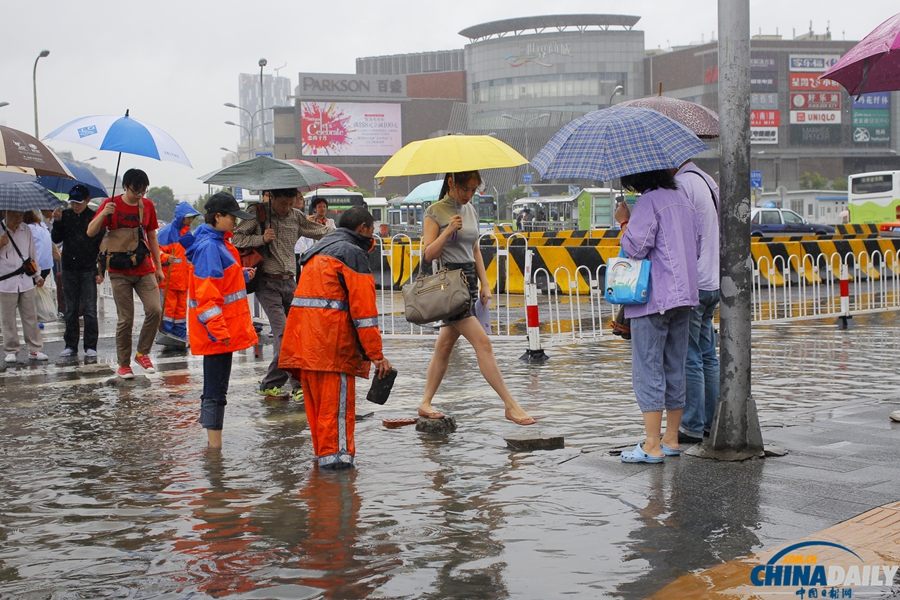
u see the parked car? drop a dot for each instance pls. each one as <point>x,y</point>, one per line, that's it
<point>781,221</point>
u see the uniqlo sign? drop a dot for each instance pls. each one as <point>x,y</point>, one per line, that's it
<point>765,118</point>
<point>811,82</point>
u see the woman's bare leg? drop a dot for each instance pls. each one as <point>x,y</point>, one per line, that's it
<point>472,330</point>
<point>438,366</point>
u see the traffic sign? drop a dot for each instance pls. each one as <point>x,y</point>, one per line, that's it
<point>238,194</point>
<point>756,179</point>
<point>526,178</point>
<point>269,154</point>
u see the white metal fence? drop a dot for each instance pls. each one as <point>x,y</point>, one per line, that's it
<point>783,290</point>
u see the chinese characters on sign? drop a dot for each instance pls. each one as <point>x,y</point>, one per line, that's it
<point>872,118</point>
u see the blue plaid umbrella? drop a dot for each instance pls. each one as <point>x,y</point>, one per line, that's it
<point>27,195</point>
<point>617,141</point>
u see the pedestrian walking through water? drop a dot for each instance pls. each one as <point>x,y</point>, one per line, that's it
<point>219,313</point>
<point>451,234</point>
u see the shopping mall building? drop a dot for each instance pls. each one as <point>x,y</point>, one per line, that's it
<point>522,79</point>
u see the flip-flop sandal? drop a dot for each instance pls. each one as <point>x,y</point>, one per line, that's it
<point>639,456</point>
<point>670,451</point>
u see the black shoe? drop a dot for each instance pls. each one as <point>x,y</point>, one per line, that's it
<point>684,438</point>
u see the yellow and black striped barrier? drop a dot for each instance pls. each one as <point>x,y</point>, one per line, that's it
<point>581,257</point>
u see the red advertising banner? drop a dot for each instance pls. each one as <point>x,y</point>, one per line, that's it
<point>816,101</point>
<point>765,118</point>
<point>811,82</point>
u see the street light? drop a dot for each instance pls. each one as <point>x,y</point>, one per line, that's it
<point>2,104</point>
<point>525,125</point>
<point>34,82</point>
<point>619,90</point>
<point>252,116</point>
<point>262,63</point>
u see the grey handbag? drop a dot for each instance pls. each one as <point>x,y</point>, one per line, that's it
<point>436,297</point>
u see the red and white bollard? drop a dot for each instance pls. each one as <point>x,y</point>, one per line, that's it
<point>844,321</point>
<point>532,322</point>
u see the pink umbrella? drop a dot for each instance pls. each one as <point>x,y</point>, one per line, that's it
<point>873,65</point>
<point>343,180</point>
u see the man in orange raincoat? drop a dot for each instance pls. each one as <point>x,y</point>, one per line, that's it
<point>174,239</point>
<point>332,335</point>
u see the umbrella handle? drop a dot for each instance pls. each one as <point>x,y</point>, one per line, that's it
<point>116,176</point>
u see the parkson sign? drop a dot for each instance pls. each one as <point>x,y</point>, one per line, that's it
<point>337,86</point>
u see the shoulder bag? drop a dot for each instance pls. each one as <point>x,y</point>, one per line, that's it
<point>124,247</point>
<point>627,280</point>
<point>435,297</point>
<point>29,266</point>
<point>254,257</point>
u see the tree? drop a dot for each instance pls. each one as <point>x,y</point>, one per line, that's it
<point>164,199</point>
<point>839,184</point>
<point>366,193</point>
<point>813,181</point>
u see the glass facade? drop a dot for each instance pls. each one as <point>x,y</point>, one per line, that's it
<point>549,86</point>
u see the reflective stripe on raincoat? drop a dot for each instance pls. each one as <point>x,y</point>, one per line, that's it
<point>217,300</point>
<point>333,321</point>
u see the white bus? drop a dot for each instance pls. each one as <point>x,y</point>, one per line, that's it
<point>874,197</point>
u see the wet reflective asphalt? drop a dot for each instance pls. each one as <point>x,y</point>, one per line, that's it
<point>110,492</point>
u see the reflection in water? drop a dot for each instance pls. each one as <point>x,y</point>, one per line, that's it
<point>220,558</point>
<point>108,492</point>
<point>693,518</point>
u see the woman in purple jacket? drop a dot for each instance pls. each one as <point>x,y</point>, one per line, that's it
<point>664,228</point>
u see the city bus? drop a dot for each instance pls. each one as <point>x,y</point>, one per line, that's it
<point>406,217</point>
<point>874,197</point>
<point>339,200</point>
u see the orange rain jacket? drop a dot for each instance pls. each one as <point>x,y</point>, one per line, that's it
<point>333,321</point>
<point>217,298</point>
<point>173,240</point>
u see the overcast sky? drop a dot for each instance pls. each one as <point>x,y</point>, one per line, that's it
<point>174,63</point>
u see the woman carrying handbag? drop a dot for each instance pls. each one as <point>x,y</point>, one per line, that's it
<point>451,234</point>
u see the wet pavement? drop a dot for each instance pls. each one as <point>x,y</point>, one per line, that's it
<point>110,491</point>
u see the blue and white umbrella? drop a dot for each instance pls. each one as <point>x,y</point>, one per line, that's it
<point>27,195</point>
<point>425,192</point>
<point>121,134</point>
<point>609,143</point>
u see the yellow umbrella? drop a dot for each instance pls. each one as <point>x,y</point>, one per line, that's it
<point>451,154</point>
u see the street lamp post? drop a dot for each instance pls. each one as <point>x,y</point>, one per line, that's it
<point>34,82</point>
<point>252,116</point>
<point>2,104</point>
<point>619,90</point>
<point>262,63</point>
<point>525,125</point>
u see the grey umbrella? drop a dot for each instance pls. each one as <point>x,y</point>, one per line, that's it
<point>264,173</point>
<point>27,195</point>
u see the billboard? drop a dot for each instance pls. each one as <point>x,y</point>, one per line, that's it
<point>872,118</point>
<point>765,118</point>
<point>816,100</point>
<point>810,82</point>
<point>350,129</point>
<point>831,117</point>
<point>812,63</point>
<point>763,135</point>
<point>767,101</point>
<point>813,135</point>
<point>764,81</point>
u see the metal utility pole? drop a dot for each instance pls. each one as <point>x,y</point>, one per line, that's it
<point>735,433</point>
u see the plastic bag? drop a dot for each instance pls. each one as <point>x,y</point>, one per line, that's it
<point>483,314</point>
<point>45,304</point>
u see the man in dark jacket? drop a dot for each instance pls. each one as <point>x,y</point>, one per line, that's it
<point>79,271</point>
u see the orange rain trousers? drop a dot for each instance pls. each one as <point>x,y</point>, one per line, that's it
<point>330,400</point>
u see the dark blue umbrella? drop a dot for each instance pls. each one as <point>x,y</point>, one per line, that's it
<point>82,175</point>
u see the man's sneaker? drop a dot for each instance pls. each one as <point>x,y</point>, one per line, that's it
<point>37,356</point>
<point>125,373</point>
<point>144,361</point>
<point>90,352</point>
<point>274,391</point>
<point>68,352</point>
<point>11,357</point>
<point>297,395</point>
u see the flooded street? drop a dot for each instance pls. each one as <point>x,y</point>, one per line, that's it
<point>110,492</point>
